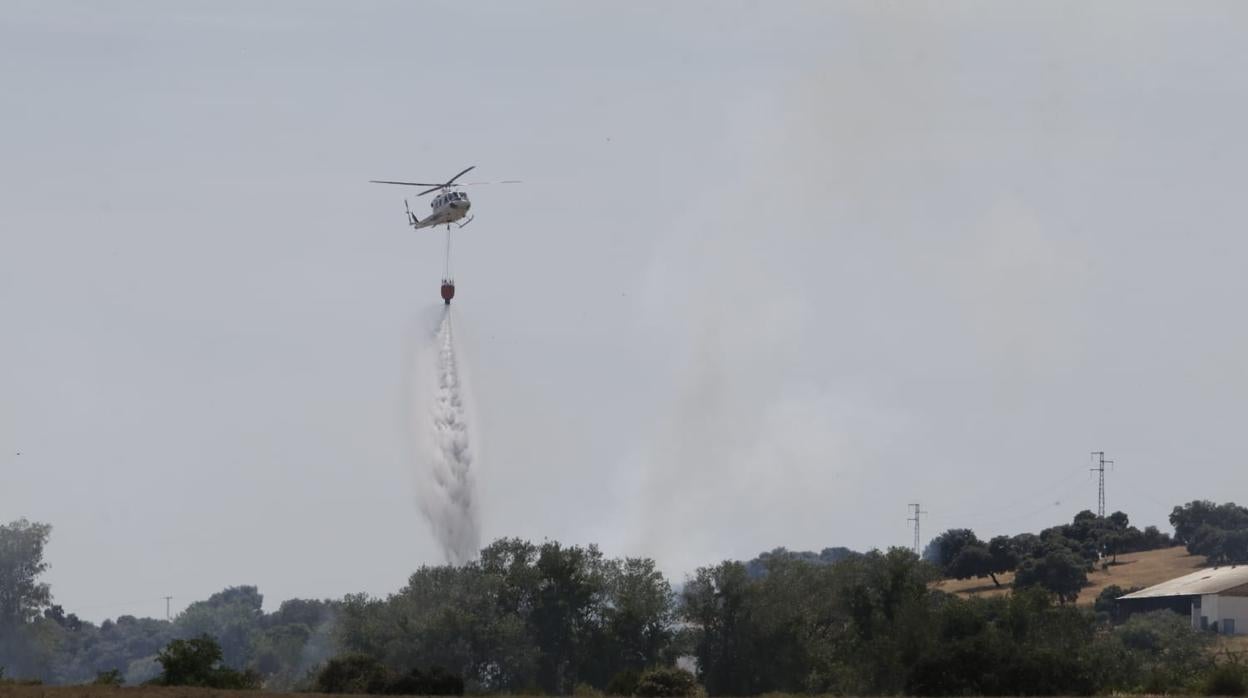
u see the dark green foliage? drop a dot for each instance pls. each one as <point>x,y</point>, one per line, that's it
<point>1217,531</point>
<point>623,683</point>
<point>1188,519</point>
<point>197,662</point>
<point>1059,572</point>
<point>1160,653</point>
<point>523,618</point>
<point>1007,646</point>
<point>666,682</point>
<point>232,617</point>
<point>960,554</point>
<point>1227,679</point>
<point>979,560</point>
<point>1106,604</point>
<point>22,595</point>
<point>552,619</point>
<point>945,547</point>
<point>353,673</point>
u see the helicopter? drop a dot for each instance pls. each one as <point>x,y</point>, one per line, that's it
<point>449,207</point>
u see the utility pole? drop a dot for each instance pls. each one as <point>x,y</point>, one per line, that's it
<point>1100,487</point>
<point>168,600</point>
<point>918,511</point>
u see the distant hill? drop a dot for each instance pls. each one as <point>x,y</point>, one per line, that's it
<point>1133,570</point>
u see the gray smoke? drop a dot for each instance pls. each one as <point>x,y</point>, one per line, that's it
<point>446,491</point>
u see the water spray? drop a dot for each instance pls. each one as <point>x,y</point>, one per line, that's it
<point>447,490</point>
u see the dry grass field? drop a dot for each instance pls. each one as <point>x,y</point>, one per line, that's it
<point>1134,570</point>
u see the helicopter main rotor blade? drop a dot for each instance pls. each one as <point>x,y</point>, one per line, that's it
<point>432,187</point>
<point>409,184</point>
<point>451,181</point>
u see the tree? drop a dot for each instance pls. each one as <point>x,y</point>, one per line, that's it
<point>1189,518</point>
<point>1235,546</point>
<point>978,560</point>
<point>946,546</point>
<point>233,617</point>
<point>971,561</point>
<point>22,595</point>
<point>638,621</point>
<point>1210,541</point>
<point>716,602</point>
<point>1060,572</point>
<point>1106,604</point>
<point>197,662</point>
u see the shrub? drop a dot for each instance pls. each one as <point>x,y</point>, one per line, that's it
<point>1228,679</point>
<point>623,683</point>
<point>438,682</point>
<point>112,677</point>
<point>352,673</point>
<point>666,683</point>
<point>444,683</point>
<point>197,662</point>
<point>360,673</point>
<point>1106,604</point>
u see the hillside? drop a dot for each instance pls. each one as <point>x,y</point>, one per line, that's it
<point>1133,570</point>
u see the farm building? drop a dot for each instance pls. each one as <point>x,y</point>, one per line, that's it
<point>1216,598</point>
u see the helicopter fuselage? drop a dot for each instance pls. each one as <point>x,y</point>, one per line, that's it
<point>446,208</point>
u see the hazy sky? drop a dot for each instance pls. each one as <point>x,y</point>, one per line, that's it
<point>775,271</point>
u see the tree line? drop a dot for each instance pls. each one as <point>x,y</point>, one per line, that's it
<point>556,619</point>
<point>1057,559</point>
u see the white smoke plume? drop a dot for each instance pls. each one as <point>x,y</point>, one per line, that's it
<point>446,489</point>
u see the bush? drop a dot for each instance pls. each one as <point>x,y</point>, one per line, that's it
<point>112,677</point>
<point>197,662</point>
<point>1229,679</point>
<point>623,683</point>
<point>352,673</point>
<point>665,683</point>
<point>438,682</point>
<point>1106,604</point>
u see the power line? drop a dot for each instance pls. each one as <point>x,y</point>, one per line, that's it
<point>918,512</point>
<point>1100,488</point>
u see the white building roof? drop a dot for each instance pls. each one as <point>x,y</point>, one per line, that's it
<point>1211,580</point>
